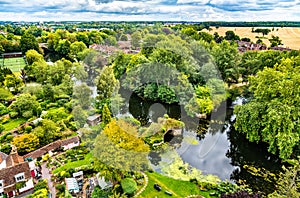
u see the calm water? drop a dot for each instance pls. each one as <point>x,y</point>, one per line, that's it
<point>221,150</point>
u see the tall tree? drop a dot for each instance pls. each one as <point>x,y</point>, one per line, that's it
<point>119,142</point>
<point>79,116</point>
<point>26,106</point>
<point>106,115</point>
<point>13,83</point>
<point>107,84</point>
<point>76,48</point>
<point>47,132</point>
<point>273,114</point>
<point>33,56</point>
<point>28,42</point>
<point>136,38</point>
<point>82,95</point>
<point>226,57</point>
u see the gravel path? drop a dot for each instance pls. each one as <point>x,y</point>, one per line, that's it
<point>46,175</point>
<point>145,185</point>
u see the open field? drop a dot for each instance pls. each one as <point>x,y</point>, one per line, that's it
<point>290,36</point>
<point>15,64</point>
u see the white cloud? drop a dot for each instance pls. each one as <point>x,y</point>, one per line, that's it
<point>194,10</point>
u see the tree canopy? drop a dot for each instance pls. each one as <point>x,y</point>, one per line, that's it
<point>272,116</point>
<point>119,142</point>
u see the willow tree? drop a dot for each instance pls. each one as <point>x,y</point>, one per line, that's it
<point>272,116</point>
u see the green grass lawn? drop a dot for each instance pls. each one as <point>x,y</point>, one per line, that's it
<point>87,161</point>
<point>14,123</point>
<point>176,187</point>
<point>14,64</point>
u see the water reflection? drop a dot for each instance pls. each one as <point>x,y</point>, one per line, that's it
<point>219,149</point>
<point>241,152</point>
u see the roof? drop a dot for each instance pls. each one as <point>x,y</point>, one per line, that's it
<point>12,53</point>
<point>3,156</point>
<point>13,159</point>
<point>7,175</point>
<point>71,184</point>
<point>94,117</point>
<point>40,152</point>
<point>50,147</point>
<point>70,140</point>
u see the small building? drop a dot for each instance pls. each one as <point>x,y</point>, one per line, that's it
<point>72,185</point>
<point>94,119</point>
<point>12,55</point>
<point>78,175</point>
<point>36,121</point>
<point>15,175</point>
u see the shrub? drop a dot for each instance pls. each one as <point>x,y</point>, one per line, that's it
<point>46,157</point>
<point>13,114</point>
<point>1,128</point>
<point>64,174</point>
<point>20,185</point>
<point>42,184</point>
<point>5,149</point>
<point>27,114</point>
<point>129,186</point>
<point>101,193</point>
<point>3,109</point>
<point>9,138</point>
<point>244,194</point>
<point>28,129</point>
<point>60,188</point>
<point>42,193</point>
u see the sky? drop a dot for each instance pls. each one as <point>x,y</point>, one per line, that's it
<point>149,10</point>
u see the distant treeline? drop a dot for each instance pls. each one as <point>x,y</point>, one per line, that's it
<point>139,24</point>
<point>254,24</point>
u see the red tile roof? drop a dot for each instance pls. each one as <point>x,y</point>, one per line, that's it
<point>50,147</point>
<point>7,175</point>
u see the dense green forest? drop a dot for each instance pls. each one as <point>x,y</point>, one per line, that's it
<point>158,62</point>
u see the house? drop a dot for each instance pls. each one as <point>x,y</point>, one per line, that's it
<point>246,46</point>
<point>94,120</point>
<point>70,143</point>
<point>64,144</point>
<point>15,174</point>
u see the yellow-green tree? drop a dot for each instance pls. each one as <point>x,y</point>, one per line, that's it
<point>106,115</point>
<point>26,106</point>
<point>47,132</point>
<point>26,143</point>
<point>107,84</point>
<point>120,147</point>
